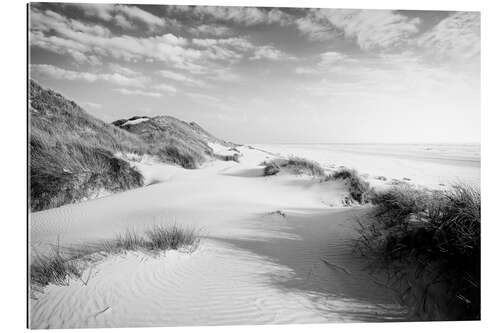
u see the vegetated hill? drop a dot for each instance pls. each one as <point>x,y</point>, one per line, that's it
<point>72,153</point>
<point>173,140</point>
<point>75,156</point>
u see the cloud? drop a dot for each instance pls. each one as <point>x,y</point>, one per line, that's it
<point>326,62</point>
<point>166,88</point>
<point>246,16</point>
<point>64,74</point>
<point>138,92</point>
<point>457,37</point>
<point>181,78</point>
<point>270,53</point>
<point>93,105</point>
<point>216,30</point>
<point>123,70</point>
<point>121,15</point>
<point>203,97</point>
<point>91,43</point>
<point>135,13</point>
<point>371,29</point>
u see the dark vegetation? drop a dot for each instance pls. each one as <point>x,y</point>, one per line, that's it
<point>297,165</point>
<point>430,241</point>
<point>74,156</point>
<point>359,189</point>
<point>172,140</point>
<point>60,265</point>
<point>271,169</point>
<point>72,153</point>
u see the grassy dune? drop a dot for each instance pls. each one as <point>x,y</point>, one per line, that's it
<point>74,156</point>
<point>297,165</point>
<point>72,153</point>
<point>431,242</point>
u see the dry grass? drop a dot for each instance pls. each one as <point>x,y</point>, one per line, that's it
<point>435,235</point>
<point>297,165</point>
<point>57,268</point>
<point>74,155</point>
<point>52,268</point>
<point>359,189</point>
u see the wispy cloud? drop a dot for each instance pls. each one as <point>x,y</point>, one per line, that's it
<point>270,53</point>
<point>372,29</point>
<point>122,15</point>
<point>64,74</point>
<point>456,37</point>
<point>247,16</point>
<point>93,105</point>
<point>138,92</point>
<point>182,78</point>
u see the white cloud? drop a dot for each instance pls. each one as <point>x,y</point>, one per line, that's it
<point>203,97</point>
<point>166,88</point>
<point>123,70</point>
<point>181,78</point>
<point>372,29</point>
<point>64,74</point>
<point>91,43</point>
<point>270,53</point>
<point>122,15</point>
<point>241,15</point>
<point>93,105</point>
<point>212,30</point>
<point>123,22</point>
<point>326,62</point>
<point>138,92</point>
<point>457,37</point>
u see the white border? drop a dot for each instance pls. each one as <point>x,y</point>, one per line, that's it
<point>13,164</point>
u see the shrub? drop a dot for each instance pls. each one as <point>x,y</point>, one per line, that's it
<point>437,235</point>
<point>297,165</point>
<point>359,189</point>
<point>271,169</point>
<point>302,165</point>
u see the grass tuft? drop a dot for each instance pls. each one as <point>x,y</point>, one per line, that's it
<point>271,169</point>
<point>53,268</point>
<point>57,268</point>
<point>435,235</point>
<point>297,165</point>
<point>359,189</point>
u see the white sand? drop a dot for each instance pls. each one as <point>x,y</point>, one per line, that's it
<point>251,267</point>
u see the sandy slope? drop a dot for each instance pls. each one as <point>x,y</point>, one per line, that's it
<point>252,267</point>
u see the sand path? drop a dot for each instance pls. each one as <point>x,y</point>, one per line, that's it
<point>251,267</point>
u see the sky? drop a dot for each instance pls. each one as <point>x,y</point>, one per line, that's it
<point>268,75</point>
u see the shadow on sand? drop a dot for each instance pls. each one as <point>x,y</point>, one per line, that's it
<point>319,252</point>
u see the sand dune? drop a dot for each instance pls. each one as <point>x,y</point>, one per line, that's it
<point>253,266</point>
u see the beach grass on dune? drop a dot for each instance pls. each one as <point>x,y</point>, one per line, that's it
<point>359,189</point>
<point>52,268</point>
<point>297,165</point>
<point>436,236</point>
<point>58,266</point>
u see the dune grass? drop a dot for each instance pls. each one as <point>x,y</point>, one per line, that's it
<point>297,165</point>
<point>52,268</point>
<point>58,266</point>
<point>359,189</point>
<point>431,241</point>
<point>74,156</point>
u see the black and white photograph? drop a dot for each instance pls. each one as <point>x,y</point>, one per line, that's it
<point>202,165</point>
